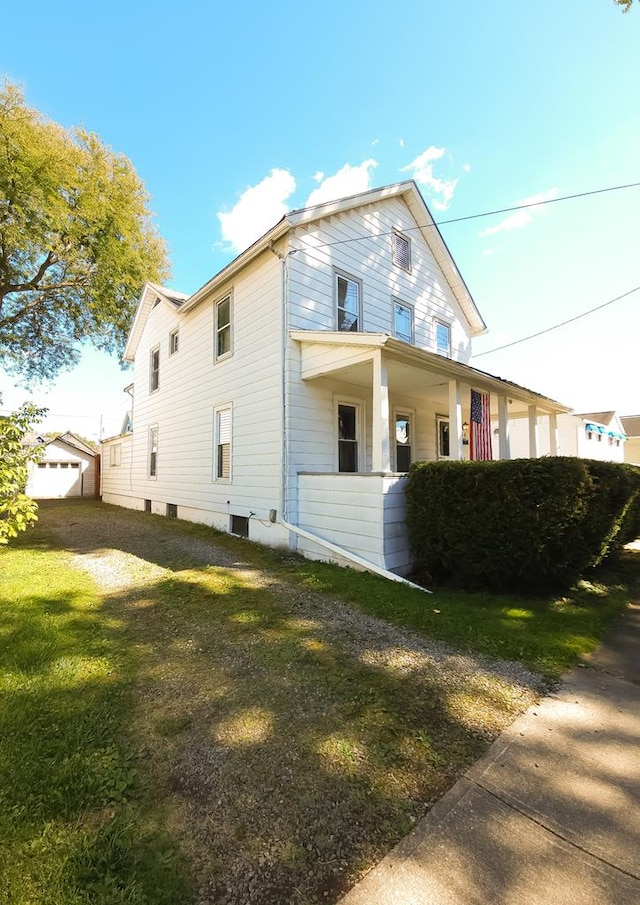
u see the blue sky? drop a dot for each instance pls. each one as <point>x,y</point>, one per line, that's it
<point>233,115</point>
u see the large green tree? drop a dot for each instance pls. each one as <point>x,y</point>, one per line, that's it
<point>626,4</point>
<point>77,241</point>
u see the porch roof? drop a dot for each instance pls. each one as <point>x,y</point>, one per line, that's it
<point>346,356</point>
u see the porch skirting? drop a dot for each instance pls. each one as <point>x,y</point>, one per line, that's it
<point>364,513</point>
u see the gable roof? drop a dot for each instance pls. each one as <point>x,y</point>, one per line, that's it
<point>152,294</point>
<point>599,417</point>
<point>631,424</point>
<point>74,442</point>
<point>408,190</point>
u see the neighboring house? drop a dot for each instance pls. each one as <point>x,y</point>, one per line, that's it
<point>286,398</point>
<point>631,425</point>
<point>591,435</point>
<point>68,468</point>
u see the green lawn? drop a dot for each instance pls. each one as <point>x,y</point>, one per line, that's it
<point>212,733</point>
<point>76,825</point>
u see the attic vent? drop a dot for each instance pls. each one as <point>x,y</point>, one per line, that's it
<point>402,251</point>
<point>156,301</point>
<point>240,525</point>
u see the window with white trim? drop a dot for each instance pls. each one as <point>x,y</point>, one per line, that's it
<point>154,369</point>
<point>223,321</point>
<point>401,251</point>
<point>403,440</point>
<point>442,437</point>
<point>443,338</point>
<point>403,321</point>
<point>348,437</point>
<point>348,303</point>
<point>174,341</point>
<point>115,455</point>
<point>223,440</point>
<point>153,451</point>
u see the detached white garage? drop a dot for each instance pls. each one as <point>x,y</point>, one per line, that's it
<point>68,469</point>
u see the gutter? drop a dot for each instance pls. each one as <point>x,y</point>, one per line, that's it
<point>357,560</point>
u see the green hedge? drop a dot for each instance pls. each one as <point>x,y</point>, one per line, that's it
<point>525,524</point>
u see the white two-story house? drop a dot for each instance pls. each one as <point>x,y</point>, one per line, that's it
<point>286,399</point>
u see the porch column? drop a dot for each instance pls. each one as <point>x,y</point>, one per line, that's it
<point>504,447</point>
<point>534,439</point>
<point>381,453</point>
<point>455,420</point>
<point>553,434</point>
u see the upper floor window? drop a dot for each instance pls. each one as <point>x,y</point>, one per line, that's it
<point>349,298</point>
<point>401,251</point>
<point>403,321</point>
<point>154,369</point>
<point>223,316</point>
<point>174,341</point>
<point>443,338</point>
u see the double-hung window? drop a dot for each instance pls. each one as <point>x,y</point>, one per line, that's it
<point>153,452</point>
<point>349,301</point>
<point>223,315</point>
<point>154,369</point>
<point>223,439</point>
<point>174,341</point>
<point>442,429</point>
<point>443,338</point>
<point>403,321</point>
<point>115,454</point>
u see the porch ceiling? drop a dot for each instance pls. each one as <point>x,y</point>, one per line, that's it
<point>410,371</point>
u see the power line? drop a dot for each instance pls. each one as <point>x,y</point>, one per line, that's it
<point>502,210</point>
<point>556,326</point>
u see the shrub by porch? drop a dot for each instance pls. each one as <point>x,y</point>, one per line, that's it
<point>525,524</point>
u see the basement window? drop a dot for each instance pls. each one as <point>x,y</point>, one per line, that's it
<point>147,505</point>
<point>240,525</point>
<point>172,510</point>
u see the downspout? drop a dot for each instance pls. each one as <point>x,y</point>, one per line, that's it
<point>357,560</point>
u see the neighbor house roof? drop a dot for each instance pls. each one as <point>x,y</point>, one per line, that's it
<point>599,417</point>
<point>407,190</point>
<point>631,424</point>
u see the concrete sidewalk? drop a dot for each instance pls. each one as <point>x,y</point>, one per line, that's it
<point>551,814</point>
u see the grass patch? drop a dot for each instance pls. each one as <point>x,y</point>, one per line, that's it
<point>228,713</point>
<point>75,824</point>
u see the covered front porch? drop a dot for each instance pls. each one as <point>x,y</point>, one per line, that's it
<point>394,404</point>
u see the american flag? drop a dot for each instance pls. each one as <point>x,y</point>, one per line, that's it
<point>480,433</point>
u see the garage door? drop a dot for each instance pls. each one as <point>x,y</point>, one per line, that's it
<point>56,479</point>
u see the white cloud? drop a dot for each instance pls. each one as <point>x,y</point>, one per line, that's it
<point>257,210</point>
<point>376,141</point>
<point>401,142</point>
<point>522,218</point>
<point>421,170</point>
<point>491,251</point>
<point>467,167</point>
<point>349,180</point>
<point>319,176</point>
